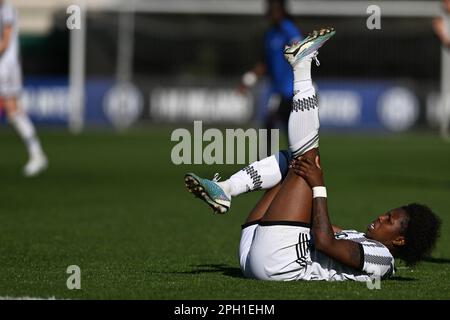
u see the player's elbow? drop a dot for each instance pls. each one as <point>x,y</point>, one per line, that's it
<point>323,242</point>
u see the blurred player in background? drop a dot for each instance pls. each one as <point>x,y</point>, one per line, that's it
<point>11,87</point>
<point>282,32</point>
<point>441,26</point>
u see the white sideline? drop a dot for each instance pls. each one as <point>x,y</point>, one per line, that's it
<point>27,298</point>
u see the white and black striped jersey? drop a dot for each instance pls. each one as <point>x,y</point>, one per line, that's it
<point>376,261</point>
<point>8,17</point>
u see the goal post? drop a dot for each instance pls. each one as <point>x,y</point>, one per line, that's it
<point>77,49</point>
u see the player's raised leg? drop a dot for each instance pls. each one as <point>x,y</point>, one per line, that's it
<point>262,174</point>
<point>303,137</point>
<point>294,200</point>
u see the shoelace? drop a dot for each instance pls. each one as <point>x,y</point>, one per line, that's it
<point>216,177</point>
<point>316,59</point>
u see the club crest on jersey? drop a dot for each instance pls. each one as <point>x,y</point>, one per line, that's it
<point>340,235</point>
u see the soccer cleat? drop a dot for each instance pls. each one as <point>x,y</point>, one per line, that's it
<point>308,47</point>
<point>35,165</point>
<point>209,191</point>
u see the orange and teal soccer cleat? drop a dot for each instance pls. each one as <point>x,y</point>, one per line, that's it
<point>208,191</point>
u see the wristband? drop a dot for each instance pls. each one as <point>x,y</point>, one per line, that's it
<point>249,79</point>
<point>319,192</point>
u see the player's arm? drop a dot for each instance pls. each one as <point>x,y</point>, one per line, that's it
<point>6,36</point>
<point>291,31</point>
<point>251,77</point>
<point>347,252</point>
<point>344,251</point>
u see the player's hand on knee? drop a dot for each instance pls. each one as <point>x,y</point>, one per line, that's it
<point>309,170</point>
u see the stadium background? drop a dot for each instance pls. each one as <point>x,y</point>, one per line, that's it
<point>112,201</point>
<point>179,55</point>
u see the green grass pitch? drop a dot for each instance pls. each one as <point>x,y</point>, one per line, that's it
<point>116,206</point>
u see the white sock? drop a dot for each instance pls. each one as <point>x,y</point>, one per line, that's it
<point>26,131</point>
<point>263,174</point>
<point>302,76</point>
<point>303,129</point>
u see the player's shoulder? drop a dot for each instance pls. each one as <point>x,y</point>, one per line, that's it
<point>288,23</point>
<point>348,234</point>
<point>290,30</point>
<point>357,236</point>
<point>376,258</point>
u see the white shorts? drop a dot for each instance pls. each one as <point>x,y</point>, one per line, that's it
<point>275,250</point>
<point>10,80</point>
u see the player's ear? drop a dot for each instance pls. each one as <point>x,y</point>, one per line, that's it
<point>399,241</point>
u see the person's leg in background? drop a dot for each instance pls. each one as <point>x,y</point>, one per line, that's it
<point>272,120</point>
<point>10,89</point>
<point>284,113</point>
<point>445,114</point>
<point>277,118</point>
<point>26,131</point>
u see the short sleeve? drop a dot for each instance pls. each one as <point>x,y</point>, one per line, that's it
<point>291,31</point>
<point>376,259</point>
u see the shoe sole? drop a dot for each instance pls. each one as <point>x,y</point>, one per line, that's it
<point>319,37</point>
<point>195,187</point>
<point>43,168</point>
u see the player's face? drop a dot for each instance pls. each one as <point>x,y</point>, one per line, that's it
<point>389,227</point>
<point>275,12</point>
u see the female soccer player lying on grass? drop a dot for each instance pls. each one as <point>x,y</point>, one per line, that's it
<point>288,235</point>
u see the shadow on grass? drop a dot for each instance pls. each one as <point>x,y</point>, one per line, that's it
<point>215,268</point>
<point>234,272</point>
<point>400,278</point>
<point>437,260</point>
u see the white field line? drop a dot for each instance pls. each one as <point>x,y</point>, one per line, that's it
<point>27,298</point>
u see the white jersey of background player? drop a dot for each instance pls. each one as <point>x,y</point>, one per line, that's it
<point>11,88</point>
